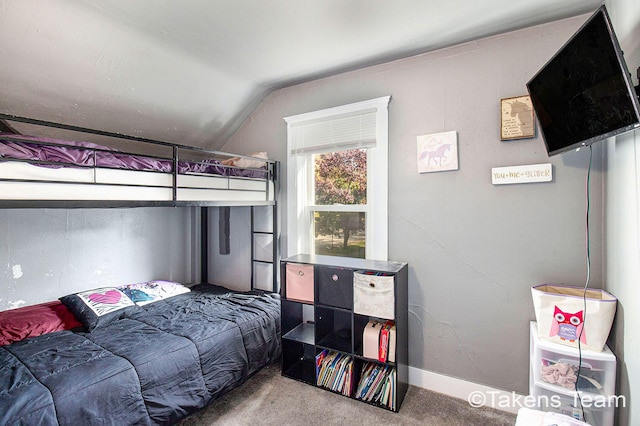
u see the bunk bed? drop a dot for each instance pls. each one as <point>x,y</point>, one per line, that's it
<point>54,172</point>
<point>147,353</point>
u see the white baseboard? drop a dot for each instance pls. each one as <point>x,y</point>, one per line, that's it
<point>476,395</point>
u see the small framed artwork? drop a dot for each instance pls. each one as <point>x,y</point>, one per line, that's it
<point>517,118</point>
<point>438,152</point>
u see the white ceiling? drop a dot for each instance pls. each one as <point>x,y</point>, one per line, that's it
<point>190,71</point>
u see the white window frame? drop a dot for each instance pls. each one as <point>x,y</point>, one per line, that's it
<point>300,182</point>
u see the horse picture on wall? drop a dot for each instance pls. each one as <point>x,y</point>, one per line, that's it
<point>438,152</point>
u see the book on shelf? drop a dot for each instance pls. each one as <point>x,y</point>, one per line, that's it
<point>334,371</point>
<point>377,384</point>
<point>348,387</point>
<point>379,340</point>
<point>366,374</point>
<point>373,378</point>
<point>319,359</point>
<point>391,354</point>
<point>375,273</point>
<point>391,403</point>
<point>385,336</point>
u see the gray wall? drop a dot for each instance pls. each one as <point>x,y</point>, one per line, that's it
<point>47,253</point>
<point>231,270</point>
<point>474,249</point>
<point>623,227</point>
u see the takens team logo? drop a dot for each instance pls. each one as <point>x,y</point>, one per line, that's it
<point>503,400</point>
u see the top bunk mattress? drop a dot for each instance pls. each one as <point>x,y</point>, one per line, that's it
<point>41,168</point>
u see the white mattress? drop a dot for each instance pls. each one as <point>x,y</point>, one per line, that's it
<point>30,182</point>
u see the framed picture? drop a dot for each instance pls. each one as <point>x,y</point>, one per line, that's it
<point>438,152</point>
<point>517,118</point>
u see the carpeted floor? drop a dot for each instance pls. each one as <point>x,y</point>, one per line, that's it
<point>270,399</point>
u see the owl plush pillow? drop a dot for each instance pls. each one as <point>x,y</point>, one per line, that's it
<point>99,307</point>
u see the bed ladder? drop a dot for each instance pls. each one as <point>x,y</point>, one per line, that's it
<point>265,243</point>
<point>265,253</point>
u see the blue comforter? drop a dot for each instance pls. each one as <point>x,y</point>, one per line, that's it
<point>166,360</point>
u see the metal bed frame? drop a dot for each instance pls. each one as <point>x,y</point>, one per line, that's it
<point>272,172</point>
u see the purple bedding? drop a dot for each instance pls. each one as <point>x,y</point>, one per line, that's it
<point>87,154</point>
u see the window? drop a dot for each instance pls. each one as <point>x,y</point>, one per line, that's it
<point>337,191</point>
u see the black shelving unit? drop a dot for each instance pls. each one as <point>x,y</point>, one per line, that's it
<point>329,321</point>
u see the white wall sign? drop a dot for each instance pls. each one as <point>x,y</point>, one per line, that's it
<point>522,174</point>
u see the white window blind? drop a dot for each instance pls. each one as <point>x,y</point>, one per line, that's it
<point>337,133</point>
<point>358,125</point>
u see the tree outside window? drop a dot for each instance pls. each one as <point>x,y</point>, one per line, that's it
<point>340,178</point>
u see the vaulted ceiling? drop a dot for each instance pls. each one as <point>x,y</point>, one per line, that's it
<point>190,71</point>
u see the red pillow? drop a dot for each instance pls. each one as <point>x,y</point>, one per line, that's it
<point>31,321</point>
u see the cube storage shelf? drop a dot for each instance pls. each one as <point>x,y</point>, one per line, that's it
<point>328,315</point>
<point>596,385</point>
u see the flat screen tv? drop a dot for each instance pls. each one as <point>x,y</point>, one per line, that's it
<point>584,94</point>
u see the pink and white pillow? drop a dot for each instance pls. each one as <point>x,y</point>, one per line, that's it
<point>98,307</point>
<point>152,291</point>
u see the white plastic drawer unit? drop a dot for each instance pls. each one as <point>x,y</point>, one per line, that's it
<point>598,410</point>
<point>373,294</point>
<point>552,363</point>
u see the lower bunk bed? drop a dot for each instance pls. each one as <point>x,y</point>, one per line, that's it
<point>153,360</point>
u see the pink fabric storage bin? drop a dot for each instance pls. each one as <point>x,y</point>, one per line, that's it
<point>299,282</point>
<point>565,315</point>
